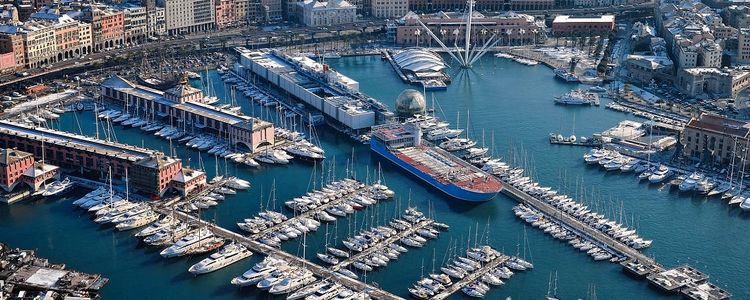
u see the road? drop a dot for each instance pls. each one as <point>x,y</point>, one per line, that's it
<point>591,10</point>
<point>229,38</point>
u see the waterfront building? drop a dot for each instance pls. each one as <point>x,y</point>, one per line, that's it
<point>231,13</point>
<point>313,84</point>
<point>334,12</point>
<point>184,105</point>
<point>107,27</point>
<point>511,27</point>
<point>135,24</point>
<point>188,16</point>
<point>150,172</point>
<point>269,11</point>
<point>389,9</point>
<point>712,138</point>
<point>431,6</point>
<point>13,163</point>
<point>13,43</point>
<point>721,83</point>
<point>85,38</point>
<point>575,26</point>
<point>157,24</point>
<point>72,38</point>
<point>66,33</point>
<point>38,37</point>
<point>188,180</point>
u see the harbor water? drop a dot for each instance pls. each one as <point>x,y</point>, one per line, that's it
<point>510,105</point>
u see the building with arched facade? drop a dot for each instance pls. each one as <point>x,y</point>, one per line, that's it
<point>185,107</point>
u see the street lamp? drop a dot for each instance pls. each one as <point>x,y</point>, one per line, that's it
<point>417,33</point>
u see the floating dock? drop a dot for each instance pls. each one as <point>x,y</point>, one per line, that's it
<point>453,288</point>
<point>559,139</point>
<point>257,247</point>
<point>576,225</point>
<point>691,282</point>
<point>377,246</point>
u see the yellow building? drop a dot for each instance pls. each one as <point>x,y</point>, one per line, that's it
<point>715,139</point>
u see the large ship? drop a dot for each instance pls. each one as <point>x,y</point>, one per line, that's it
<point>402,145</point>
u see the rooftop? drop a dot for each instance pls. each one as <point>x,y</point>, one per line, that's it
<point>112,149</point>
<point>10,156</point>
<point>39,169</point>
<point>720,125</point>
<point>569,19</point>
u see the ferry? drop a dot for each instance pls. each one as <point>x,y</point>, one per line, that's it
<point>402,145</point>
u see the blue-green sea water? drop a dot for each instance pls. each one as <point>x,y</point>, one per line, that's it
<point>504,99</point>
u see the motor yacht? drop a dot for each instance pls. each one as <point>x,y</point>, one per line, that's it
<point>229,254</point>
<point>188,242</point>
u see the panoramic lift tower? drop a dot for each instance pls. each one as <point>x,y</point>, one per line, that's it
<point>469,54</point>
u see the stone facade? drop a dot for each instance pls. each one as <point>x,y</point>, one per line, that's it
<point>714,139</point>
<point>574,26</point>
<point>315,13</point>
<point>389,9</point>
<point>186,16</point>
<point>511,28</point>
<point>719,83</point>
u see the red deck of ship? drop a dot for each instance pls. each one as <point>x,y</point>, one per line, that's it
<point>484,184</point>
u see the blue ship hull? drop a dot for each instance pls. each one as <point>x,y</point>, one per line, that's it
<point>449,189</point>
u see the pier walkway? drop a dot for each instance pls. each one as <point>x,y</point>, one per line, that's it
<point>450,290</point>
<point>576,225</point>
<point>396,68</point>
<point>258,247</point>
<point>309,214</point>
<point>382,243</point>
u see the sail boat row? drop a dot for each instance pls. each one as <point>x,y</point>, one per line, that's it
<point>473,264</point>
<point>110,208</point>
<point>276,227</point>
<point>298,146</point>
<point>559,231</point>
<point>379,238</point>
<point>280,277</point>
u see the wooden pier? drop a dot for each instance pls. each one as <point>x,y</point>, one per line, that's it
<point>382,243</point>
<point>450,290</point>
<point>258,247</point>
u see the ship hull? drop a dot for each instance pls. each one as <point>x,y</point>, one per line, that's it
<point>449,189</point>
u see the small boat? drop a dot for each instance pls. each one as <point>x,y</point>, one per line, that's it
<point>662,173</point>
<point>338,252</point>
<point>689,183</point>
<point>57,187</point>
